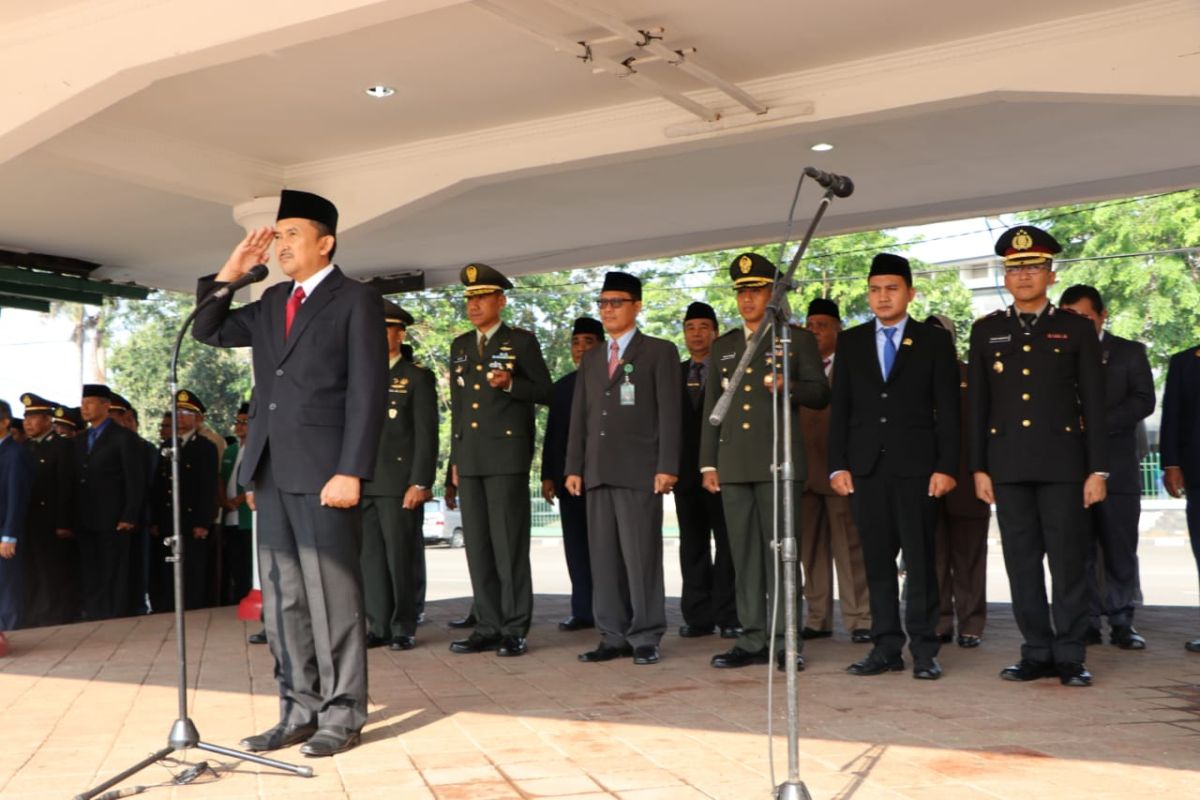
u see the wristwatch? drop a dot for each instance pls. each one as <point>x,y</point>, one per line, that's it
<point>1103,475</point>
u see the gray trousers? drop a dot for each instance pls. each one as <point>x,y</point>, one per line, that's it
<point>308,562</point>
<point>626,550</point>
<point>496,519</point>
<point>393,551</point>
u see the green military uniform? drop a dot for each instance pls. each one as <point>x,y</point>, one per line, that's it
<point>741,448</point>
<point>492,439</point>
<point>393,545</point>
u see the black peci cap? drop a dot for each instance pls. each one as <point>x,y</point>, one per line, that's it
<point>823,306</point>
<point>623,282</point>
<point>588,326</point>
<point>294,204</point>
<point>890,264</point>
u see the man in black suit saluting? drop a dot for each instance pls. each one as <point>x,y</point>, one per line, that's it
<point>320,383</point>
<point>893,445</point>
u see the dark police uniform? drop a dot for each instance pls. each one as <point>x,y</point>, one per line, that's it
<point>51,568</point>
<point>741,449</point>
<point>492,442</point>
<point>1037,428</point>
<point>393,544</point>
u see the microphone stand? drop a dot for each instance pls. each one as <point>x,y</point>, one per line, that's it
<point>776,322</point>
<point>184,734</point>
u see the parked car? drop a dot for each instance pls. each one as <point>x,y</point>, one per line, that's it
<point>442,526</point>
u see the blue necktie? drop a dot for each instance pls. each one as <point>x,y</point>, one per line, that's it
<point>92,434</point>
<point>889,352</point>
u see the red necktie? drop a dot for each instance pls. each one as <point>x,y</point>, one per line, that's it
<point>613,360</point>
<point>293,305</point>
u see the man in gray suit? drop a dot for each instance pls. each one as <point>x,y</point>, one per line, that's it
<point>624,447</point>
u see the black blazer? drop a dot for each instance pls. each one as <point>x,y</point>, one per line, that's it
<point>198,475</point>
<point>319,394</point>
<point>1129,398</point>
<point>112,479</point>
<point>626,446</point>
<point>1179,439</point>
<point>907,426</point>
<point>16,479</point>
<point>691,420</point>
<point>52,499</point>
<point>554,440</point>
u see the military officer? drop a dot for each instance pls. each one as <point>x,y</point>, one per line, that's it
<point>497,377</point>
<point>736,458</point>
<point>393,545</point>
<point>1038,450</point>
<point>197,505</point>
<point>51,590</point>
<point>66,421</point>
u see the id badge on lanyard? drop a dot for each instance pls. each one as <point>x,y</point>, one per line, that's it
<point>628,395</point>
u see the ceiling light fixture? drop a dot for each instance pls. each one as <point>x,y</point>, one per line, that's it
<point>380,92</point>
<point>821,147</point>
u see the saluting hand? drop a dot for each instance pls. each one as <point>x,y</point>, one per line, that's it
<point>941,484</point>
<point>254,249</point>
<point>1095,489</point>
<point>341,491</point>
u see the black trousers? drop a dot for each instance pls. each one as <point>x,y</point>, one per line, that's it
<point>897,514</point>
<point>1046,521</point>
<point>308,564</point>
<point>237,567</point>
<point>573,513</point>
<point>50,579</point>
<point>393,547</point>
<point>103,572</point>
<point>708,597</point>
<point>1115,524</point>
<point>161,573</point>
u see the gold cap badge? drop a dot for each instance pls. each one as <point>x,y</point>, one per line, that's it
<point>1022,240</point>
<point>472,273</point>
<point>744,264</point>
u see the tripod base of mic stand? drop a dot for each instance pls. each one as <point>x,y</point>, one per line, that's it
<point>184,736</point>
<point>792,791</point>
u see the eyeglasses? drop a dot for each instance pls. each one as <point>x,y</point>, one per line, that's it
<point>613,302</point>
<point>1015,268</point>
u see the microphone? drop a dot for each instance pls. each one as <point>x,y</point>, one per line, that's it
<point>840,185</point>
<point>253,275</point>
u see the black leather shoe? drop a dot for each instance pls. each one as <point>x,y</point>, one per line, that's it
<point>1025,670</point>
<point>374,641</point>
<point>860,636</point>
<point>257,638</point>
<point>969,640</point>
<point>737,657</point>
<point>278,737</point>
<point>696,631</point>
<point>781,661</point>
<point>1093,636</point>
<point>876,664</point>
<point>1193,646</point>
<point>929,670</point>
<point>475,643</point>
<point>421,618</point>
<point>511,646</point>
<point>328,741</point>
<point>813,633</point>
<point>646,654</point>
<point>606,652</point>
<point>1126,638</point>
<point>946,638</point>
<point>403,643</point>
<point>731,632</point>
<point>1074,675</point>
<point>575,624</point>
<point>468,621</point>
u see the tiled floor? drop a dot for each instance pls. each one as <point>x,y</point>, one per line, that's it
<point>78,704</point>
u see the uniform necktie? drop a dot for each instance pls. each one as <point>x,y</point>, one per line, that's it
<point>482,344</point>
<point>1027,320</point>
<point>889,352</point>
<point>293,305</point>
<point>613,360</point>
<point>695,384</point>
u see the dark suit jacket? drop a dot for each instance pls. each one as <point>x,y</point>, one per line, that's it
<point>691,420</point>
<point>814,429</point>
<point>554,440</point>
<point>319,394</point>
<point>626,446</point>
<point>112,479</point>
<point>492,431</point>
<point>198,473</point>
<point>1180,434</point>
<point>908,426</point>
<point>408,447</point>
<point>52,497</point>
<point>1036,402</point>
<point>962,501</point>
<point>16,480</point>
<point>1129,398</point>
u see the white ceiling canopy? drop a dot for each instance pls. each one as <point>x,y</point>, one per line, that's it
<point>547,134</point>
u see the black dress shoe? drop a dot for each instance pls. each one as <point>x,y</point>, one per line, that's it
<point>403,643</point>
<point>374,641</point>
<point>575,624</point>
<point>511,646</point>
<point>781,661</point>
<point>737,657</point>
<point>475,643</point>
<point>929,670</point>
<point>731,631</point>
<point>646,654</point>
<point>606,652</point>
<point>696,631</point>
<point>813,633</point>
<point>278,737</point>
<point>1126,638</point>
<point>1193,646</point>
<point>946,638</point>
<point>257,638</point>
<point>421,618</point>
<point>328,741</point>
<point>969,640</point>
<point>468,621</point>
<point>1074,675</point>
<point>860,636</point>
<point>1025,670</point>
<point>876,664</point>
<point>1093,636</point>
